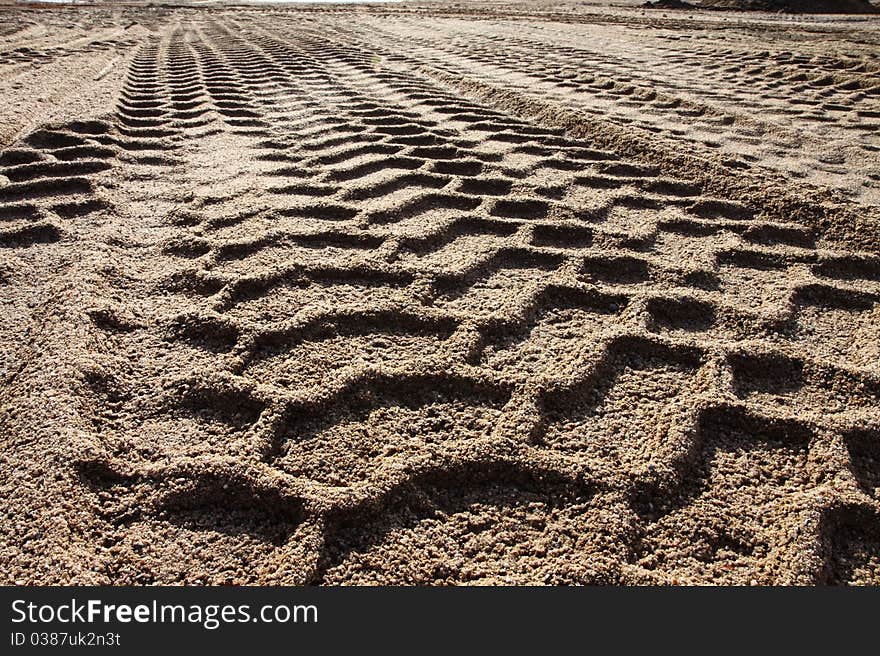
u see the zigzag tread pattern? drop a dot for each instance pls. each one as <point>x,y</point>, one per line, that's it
<point>392,334</point>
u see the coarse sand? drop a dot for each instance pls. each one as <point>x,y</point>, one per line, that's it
<point>438,294</point>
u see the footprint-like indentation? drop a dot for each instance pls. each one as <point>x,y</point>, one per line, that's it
<point>384,423</point>
<point>279,297</point>
<point>398,183</point>
<point>682,313</point>
<point>772,235</point>
<point>566,326</point>
<point>422,204</point>
<point>315,353</point>
<point>188,248</point>
<point>369,168</point>
<point>838,324</point>
<point>850,268</point>
<point>621,270</point>
<point>211,528</point>
<point>186,418</point>
<point>731,520</point>
<point>323,212</point>
<point>455,231</point>
<point>485,186</point>
<point>852,543</point>
<point>479,523</point>
<point>211,333</point>
<point>751,260</point>
<point>520,208</point>
<point>498,283</point>
<point>562,236</point>
<point>626,412</point>
<point>19,156</point>
<point>772,373</point>
<point>622,169</point>
<point>44,139</point>
<point>460,167</point>
<point>44,187</point>
<point>864,455</point>
<point>721,209</point>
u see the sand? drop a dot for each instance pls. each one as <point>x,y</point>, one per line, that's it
<point>439,294</point>
<point>795,6</point>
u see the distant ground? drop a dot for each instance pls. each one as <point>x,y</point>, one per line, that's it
<point>798,6</point>
<point>439,294</point>
<point>790,6</point>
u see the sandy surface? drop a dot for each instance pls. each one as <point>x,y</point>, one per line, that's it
<point>504,294</point>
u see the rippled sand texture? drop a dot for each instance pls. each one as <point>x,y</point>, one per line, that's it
<point>428,296</point>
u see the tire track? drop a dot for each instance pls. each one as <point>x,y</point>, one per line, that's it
<point>368,321</point>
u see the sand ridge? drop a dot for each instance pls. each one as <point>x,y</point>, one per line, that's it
<point>396,296</point>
